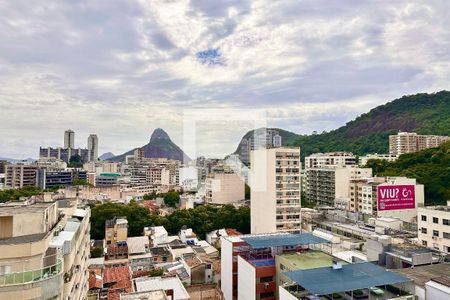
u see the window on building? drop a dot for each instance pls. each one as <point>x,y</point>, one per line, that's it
<point>424,243</point>
<point>446,235</point>
<point>266,295</point>
<point>435,220</point>
<point>5,270</point>
<point>424,218</point>
<point>424,230</point>
<point>266,279</point>
<point>446,222</point>
<point>435,233</point>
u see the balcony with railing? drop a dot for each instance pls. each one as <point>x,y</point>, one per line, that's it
<point>31,275</point>
<point>30,271</point>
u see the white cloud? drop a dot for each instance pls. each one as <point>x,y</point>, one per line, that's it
<point>122,68</point>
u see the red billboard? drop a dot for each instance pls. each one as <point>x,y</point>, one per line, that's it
<point>392,197</point>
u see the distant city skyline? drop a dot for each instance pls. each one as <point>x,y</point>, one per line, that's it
<point>123,68</point>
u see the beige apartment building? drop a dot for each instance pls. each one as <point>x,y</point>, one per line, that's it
<point>116,230</point>
<point>44,247</point>
<point>363,195</point>
<point>325,185</point>
<point>408,142</point>
<point>19,175</point>
<point>275,190</point>
<point>224,187</point>
<point>434,227</point>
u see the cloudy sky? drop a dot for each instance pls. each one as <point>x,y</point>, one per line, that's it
<point>123,68</point>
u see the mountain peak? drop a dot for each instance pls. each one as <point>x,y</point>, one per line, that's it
<point>160,146</point>
<point>159,134</point>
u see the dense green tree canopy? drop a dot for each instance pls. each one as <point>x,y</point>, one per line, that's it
<point>431,167</point>
<point>15,194</point>
<point>202,219</point>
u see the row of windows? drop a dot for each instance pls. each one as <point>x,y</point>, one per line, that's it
<point>436,220</point>
<point>445,235</point>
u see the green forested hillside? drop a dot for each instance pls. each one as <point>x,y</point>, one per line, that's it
<point>431,167</point>
<point>421,113</point>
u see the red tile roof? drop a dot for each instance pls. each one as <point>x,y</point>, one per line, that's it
<point>95,279</point>
<point>120,277</point>
<point>150,205</point>
<point>232,232</point>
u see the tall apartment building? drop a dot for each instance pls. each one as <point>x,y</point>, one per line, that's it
<point>51,178</point>
<point>334,159</point>
<point>44,249</point>
<point>224,187</point>
<point>3,163</point>
<point>63,154</point>
<point>152,171</point>
<point>325,185</point>
<point>19,175</point>
<point>261,138</point>
<point>275,190</point>
<point>434,227</point>
<point>408,142</point>
<point>69,139</point>
<point>92,145</point>
<point>69,149</point>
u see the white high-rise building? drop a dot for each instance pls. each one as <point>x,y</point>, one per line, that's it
<point>69,139</point>
<point>330,159</point>
<point>408,142</point>
<point>275,190</point>
<point>92,144</point>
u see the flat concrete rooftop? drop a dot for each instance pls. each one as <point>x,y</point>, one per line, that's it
<point>24,209</point>
<point>423,274</point>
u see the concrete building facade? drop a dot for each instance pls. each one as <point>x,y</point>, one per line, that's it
<point>275,190</point>
<point>43,251</point>
<point>434,227</point>
<point>224,187</point>
<point>325,185</point>
<point>19,175</point>
<point>330,159</point>
<point>92,145</point>
<point>408,142</point>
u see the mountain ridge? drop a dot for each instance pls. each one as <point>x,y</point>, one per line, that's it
<point>159,146</point>
<point>423,113</point>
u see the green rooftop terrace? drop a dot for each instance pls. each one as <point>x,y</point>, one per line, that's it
<point>305,260</point>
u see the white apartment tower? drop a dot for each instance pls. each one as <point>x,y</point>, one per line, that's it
<point>407,142</point>
<point>69,139</point>
<point>275,190</point>
<point>92,144</point>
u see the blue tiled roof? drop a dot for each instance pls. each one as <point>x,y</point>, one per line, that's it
<point>278,240</point>
<point>324,281</point>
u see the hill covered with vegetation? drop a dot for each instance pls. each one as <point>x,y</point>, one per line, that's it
<point>369,133</point>
<point>431,167</point>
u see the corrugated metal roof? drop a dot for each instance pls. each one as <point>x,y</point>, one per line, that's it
<point>323,281</point>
